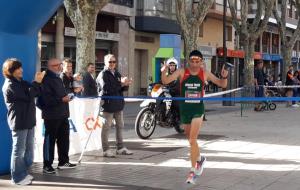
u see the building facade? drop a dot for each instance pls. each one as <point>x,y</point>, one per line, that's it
<point>269,43</point>
<point>58,37</point>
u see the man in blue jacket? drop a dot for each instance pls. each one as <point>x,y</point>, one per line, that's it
<point>110,83</point>
<point>54,103</point>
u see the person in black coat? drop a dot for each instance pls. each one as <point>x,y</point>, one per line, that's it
<point>67,75</point>
<point>19,99</point>
<point>110,83</point>
<point>89,83</point>
<point>54,103</point>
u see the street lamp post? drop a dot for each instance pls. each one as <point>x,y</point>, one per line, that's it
<point>226,103</point>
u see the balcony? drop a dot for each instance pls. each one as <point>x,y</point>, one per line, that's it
<point>156,24</point>
<point>127,3</point>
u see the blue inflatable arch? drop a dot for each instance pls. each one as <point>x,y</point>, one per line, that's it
<point>20,22</point>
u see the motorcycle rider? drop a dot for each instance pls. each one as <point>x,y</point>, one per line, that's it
<point>174,86</point>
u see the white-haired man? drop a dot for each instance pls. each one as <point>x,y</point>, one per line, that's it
<point>111,83</point>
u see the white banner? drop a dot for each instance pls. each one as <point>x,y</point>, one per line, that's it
<point>83,119</point>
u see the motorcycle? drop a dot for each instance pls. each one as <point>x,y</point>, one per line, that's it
<point>162,112</point>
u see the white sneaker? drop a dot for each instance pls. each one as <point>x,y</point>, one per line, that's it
<point>124,151</point>
<point>109,154</point>
<point>295,106</point>
<point>200,165</point>
<point>31,177</point>
<point>25,181</point>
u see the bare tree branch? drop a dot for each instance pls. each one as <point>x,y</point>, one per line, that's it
<point>71,7</point>
<point>281,20</point>
<point>296,33</point>
<point>244,18</point>
<point>263,24</point>
<point>100,4</point>
<point>202,10</point>
<point>190,16</point>
<point>258,16</point>
<point>181,12</point>
<point>233,12</point>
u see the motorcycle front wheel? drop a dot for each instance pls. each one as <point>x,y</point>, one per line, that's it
<point>145,123</point>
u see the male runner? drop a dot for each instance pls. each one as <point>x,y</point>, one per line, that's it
<point>192,81</point>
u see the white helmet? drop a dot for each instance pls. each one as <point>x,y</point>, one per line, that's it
<point>172,60</point>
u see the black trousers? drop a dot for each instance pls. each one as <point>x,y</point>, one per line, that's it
<point>57,130</point>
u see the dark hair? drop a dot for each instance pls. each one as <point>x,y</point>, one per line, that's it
<point>296,72</point>
<point>9,67</point>
<point>89,64</point>
<point>196,53</point>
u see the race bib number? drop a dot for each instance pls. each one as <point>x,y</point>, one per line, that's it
<point>193,94</point>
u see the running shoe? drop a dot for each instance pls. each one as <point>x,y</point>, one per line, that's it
<point>191,178</point>
<point>199,166</point>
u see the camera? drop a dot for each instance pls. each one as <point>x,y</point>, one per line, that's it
<point>227,66</point>
<point>71,96</point>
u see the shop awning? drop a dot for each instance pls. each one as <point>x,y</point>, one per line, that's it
<point>271,57</point>
<point>237,53</point>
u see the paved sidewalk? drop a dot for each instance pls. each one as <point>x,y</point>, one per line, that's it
<point>260,151</point>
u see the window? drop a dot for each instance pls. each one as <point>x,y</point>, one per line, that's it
<point>70,52</point>
<point>275,43</point>
<point>257,45</point>
<point>47,52</point>
<point>99,62</point>
<point>140,8</point>
<point>266,42</point>
<point>229,33</point>
<point>201,30</point>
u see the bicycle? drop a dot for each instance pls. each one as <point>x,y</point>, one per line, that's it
<point>267,105</point>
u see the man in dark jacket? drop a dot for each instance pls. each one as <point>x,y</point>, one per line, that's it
<point>54,103</point>
<point>89,83</point>
<point>110,83</point>
<point>259,78</point>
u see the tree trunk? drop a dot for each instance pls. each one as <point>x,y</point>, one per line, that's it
<point>85,39</point>
<point>83,14</point>
<point>248,64</point>
<point>286,52</point>
<point>190,40</point>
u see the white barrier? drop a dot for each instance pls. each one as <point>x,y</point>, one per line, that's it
<point>83,119</point>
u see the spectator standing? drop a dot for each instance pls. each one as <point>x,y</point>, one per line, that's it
<point>298,80</point>
<point>54,104</point>
<point>72,84</point>
<point>77,84</point>
<point>19,99</point>
<point>89,83</point>
<point>111,83</point>
<point>259,83</point>
<point>67,75</point>
<point>289,82</point>
<point>295,90</point>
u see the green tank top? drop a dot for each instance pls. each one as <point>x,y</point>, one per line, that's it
<point>192,86</point>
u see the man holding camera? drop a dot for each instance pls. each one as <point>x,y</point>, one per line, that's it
<point>54,103</point>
